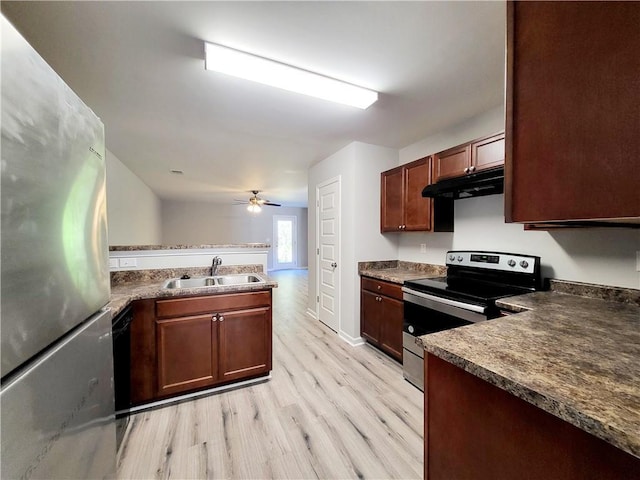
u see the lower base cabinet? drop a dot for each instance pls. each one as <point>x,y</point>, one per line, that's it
<point>381,315</point>
<point>180,345</point>
<point>475,430</point>
<point>187,353</point>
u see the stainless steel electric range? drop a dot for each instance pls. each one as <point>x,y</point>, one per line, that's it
<point>474,281</point>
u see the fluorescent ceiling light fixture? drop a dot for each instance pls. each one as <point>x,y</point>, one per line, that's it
<point>268,72</point>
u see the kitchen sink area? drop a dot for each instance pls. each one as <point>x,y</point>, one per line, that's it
<point>221,280</point>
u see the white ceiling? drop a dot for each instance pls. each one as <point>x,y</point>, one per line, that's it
<point>140,67</point>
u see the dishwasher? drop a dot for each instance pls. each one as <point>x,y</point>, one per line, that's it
<point>120,328</point>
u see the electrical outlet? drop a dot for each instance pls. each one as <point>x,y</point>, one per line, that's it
<point>638,261</point>
<point>113,263</point>
<point>128,262</point>
<point>423,248</point>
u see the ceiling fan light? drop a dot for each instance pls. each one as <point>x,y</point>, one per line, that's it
<point>254,208</point>
<point>269,72</point>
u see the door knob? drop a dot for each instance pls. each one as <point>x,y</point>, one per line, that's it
<point>334,264</point>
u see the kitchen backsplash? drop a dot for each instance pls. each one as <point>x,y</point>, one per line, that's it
<point>161,274</point>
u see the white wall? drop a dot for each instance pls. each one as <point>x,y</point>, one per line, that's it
<point>358,165</point>
<point>602,256</point>
<point>133,210</point>
<point>203,223</point>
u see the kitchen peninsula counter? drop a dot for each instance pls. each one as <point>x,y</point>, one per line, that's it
<point>135,248</point>
<point>574,357</point>
<point>150,286</point>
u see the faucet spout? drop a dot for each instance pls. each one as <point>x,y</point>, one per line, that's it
<point>217,261</point>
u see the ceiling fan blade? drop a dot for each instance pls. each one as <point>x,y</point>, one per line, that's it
<point>272,204</point>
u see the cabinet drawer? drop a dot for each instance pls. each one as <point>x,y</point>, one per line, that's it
<point>383,288</point>
<point>177,307</point>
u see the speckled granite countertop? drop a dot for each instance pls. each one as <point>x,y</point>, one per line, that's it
<point>577,358</point>
<point>133,248</point>
<point>395,271</point>
<point>125,293</point>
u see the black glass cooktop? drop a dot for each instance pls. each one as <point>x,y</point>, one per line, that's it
<point>464,289</point>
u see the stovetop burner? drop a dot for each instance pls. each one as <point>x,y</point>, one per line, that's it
<point>475,291</point>
<point>483,277</point>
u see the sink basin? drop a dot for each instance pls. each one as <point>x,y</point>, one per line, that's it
<point>238,279</point>
<point>242,279</point>
<point>190,282</point>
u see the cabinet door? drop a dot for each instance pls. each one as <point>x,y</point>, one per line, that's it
<point>417,209</point>
<point>391,193</point>
<point>245,343</point>
<point>391,326</point>
<point>187,353</point>
<point>488,153</point>
<point>572,119</point>
<point>370,316</point>
<point>452,162</point>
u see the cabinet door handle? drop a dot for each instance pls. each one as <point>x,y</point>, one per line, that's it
<point>472,168</point>
<point>466,170</point>
<point>221,318</point>
<point>214,318</point>
<point>399,227</point>
<point>379,287</point>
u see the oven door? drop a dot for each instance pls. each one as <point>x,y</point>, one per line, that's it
<point>447,313</point>
<point>424,314</point>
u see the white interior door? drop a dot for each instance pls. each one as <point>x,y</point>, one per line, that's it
<point>328,252</point>
<point>286,243</point>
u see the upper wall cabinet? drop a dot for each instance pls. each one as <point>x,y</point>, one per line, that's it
<point>573,112</point>
<point>471,157</point>
<point>402,206</point>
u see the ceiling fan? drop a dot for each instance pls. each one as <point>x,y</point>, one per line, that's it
<point>255,203</point>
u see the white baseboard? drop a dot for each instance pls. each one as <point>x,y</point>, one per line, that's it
<point>312,314</point>
<point>353,341</point>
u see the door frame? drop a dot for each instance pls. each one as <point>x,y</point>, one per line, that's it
<point>337,179</point>
<point>294,239</point>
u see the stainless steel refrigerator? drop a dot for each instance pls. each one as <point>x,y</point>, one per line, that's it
<point>56,392</point>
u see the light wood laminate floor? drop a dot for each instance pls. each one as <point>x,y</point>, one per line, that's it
<point>330,411</point>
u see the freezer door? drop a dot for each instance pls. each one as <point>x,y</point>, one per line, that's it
<point>57,414</point>
<point>54,268</point>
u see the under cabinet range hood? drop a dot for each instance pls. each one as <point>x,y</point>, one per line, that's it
<point>485,182</point>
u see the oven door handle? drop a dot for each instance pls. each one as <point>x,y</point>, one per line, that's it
<point>445,301</point>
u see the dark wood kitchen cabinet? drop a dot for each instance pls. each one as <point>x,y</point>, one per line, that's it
<point>184,344</point>
<point>572,112</point>
<point>402,206</point>
<point>381,315</point>
<point>187,353</point>
<point>488,433</point>
<point>481,154</point>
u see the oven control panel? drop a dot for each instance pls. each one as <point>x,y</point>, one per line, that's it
<point>508,262</point>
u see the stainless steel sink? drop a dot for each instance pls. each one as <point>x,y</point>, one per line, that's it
<point>221,280</point>
<point>238,279</point>
<point>190,282</point>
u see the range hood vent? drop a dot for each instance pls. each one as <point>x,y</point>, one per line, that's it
<point>485,182</point>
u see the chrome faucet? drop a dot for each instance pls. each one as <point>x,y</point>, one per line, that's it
<point>217,261</point>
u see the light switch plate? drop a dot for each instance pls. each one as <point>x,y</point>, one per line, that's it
<point>113,263</point>
<point>128,262</point>
<point>423,248</point>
